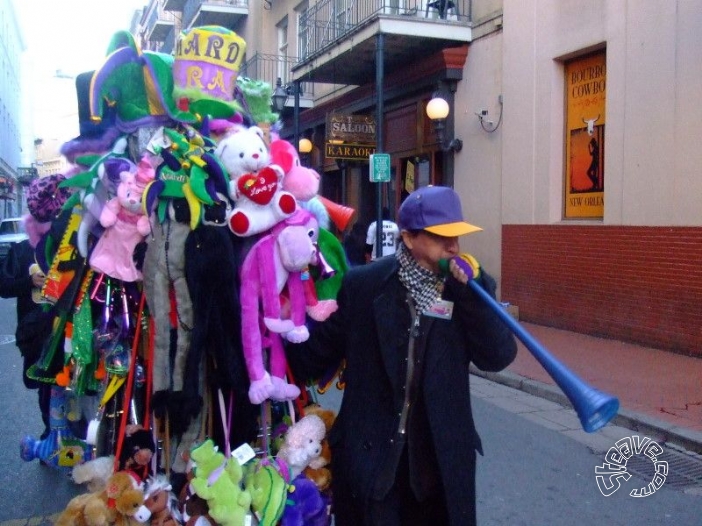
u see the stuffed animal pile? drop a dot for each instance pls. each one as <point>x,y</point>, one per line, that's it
<point>121,503</point>
<point>184,212</point>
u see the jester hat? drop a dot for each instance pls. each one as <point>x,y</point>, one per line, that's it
<point>139,86</point>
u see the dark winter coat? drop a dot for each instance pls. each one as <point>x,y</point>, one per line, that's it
<point>34,322</point>
<point>371,330</point>
<point>15,281</point>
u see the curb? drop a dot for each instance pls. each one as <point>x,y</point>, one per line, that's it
<point>665,432</point>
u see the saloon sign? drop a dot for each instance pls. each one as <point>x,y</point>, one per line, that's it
<point>350,136</point>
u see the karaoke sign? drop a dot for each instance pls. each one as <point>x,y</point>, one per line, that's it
<point>609,474</point>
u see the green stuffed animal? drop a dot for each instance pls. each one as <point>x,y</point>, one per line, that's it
<point>268,491</point>
<point>257,94</point>
<point>217,480</point>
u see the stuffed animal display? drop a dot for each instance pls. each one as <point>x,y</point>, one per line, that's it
<point>94,473</point>
<point>268,489</point>
<point>300,181</point>
<point>318,470</point>
<point>276,263</point>
<point>137,449</point>
<point>305,505</point>
<point>61,449</point>
<point>255,184</point>
<point>302,444</point>
<point>217,480</point>
<point>94,186</point>
<point>185,247</point>
<point>301,448</point>
<point>194,509</point>
<point>121,503</point>
<point>124,222</point>
<point>162,502</point>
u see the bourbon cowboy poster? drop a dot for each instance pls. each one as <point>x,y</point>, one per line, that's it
<point>586,94</point>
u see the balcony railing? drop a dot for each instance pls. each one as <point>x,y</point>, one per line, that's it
<point>270,68</point>
<point>159,21</point>
<point>329,21</point>
<point>195,8</point>
<point>26,174</point>
<point>173,5</point>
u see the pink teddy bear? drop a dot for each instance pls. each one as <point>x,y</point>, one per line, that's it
<point>125,222</point>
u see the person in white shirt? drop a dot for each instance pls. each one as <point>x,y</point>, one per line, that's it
<point>389,240</point>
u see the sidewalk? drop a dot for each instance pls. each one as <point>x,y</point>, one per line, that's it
<point>660,393</point>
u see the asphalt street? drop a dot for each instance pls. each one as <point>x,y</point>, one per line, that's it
<point>538,469</point>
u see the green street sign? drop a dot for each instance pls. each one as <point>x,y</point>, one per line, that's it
<point>380,168</point>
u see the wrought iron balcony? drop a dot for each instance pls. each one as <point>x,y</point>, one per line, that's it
<point>270,68</point>
<point>26,174</point>
<point>174,5</point>
<point>225,13</point>
<point>336,38</point>
<point>158,21</point>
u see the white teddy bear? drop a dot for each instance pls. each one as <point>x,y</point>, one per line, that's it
<point>254,184</point>
<point>302,444</point>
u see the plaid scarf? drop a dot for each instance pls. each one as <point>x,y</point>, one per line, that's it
<point>424,286</point>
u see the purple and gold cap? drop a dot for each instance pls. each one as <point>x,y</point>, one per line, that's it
<point>436,209</point>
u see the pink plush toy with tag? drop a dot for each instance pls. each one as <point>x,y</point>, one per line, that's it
<point>273,276</point>
<point>125,223</point>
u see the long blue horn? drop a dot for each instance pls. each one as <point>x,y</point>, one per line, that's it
<point>594,408</point>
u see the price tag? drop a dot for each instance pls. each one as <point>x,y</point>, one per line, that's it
<point>243,454</point>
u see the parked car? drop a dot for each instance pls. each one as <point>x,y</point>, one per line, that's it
<point>11,232</point>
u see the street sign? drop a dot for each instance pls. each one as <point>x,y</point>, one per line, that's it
<point>380,168</point>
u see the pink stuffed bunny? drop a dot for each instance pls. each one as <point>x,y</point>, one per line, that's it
<point>125,224</point>
<point>300,181</point>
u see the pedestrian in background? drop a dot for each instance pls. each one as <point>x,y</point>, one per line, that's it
<point>22,278</point>
<point>390,237</point>
<point>404,442</point>
<point>355,245</point>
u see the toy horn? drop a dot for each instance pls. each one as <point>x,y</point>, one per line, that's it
<point>594,408</point>
<point>326,270</point>
<point>339,214</point>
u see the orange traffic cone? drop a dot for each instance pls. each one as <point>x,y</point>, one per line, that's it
<point>339,214</point>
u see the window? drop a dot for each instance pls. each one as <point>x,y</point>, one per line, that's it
<point>283,66</point>
<point>303,33</point>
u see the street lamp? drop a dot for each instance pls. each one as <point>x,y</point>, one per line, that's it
<point>304,146</point>
<point>438,111</point>
<point>279,97</point>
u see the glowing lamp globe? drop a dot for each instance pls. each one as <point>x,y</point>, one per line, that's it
<point>437,108</point>
<point>304,146</point>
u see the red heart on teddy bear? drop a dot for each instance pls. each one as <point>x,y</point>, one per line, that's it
<point>259,187</point>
